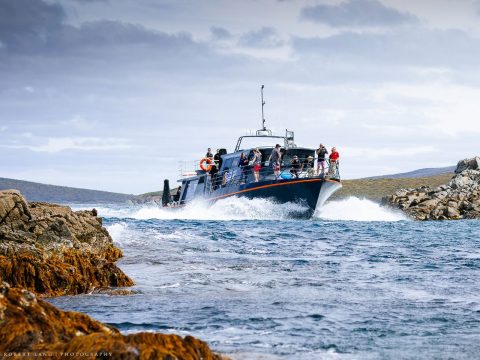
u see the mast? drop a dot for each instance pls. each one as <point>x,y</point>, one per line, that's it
<point>263,103</point>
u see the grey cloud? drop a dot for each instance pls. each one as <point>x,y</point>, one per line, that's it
<point>416,47</point>
<point>476,5</point>
<point>357,13</point>
<point>266,37</point>
<point>220,33</point>
<point>84,68</point>
<point>27,23</point>
<point>101,34</point>
<point>37,28</point>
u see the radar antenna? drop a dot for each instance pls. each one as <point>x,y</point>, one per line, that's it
<point>263,104</point>
<point>263,131</point>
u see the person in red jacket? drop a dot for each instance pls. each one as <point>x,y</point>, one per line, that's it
<point>334,156</point>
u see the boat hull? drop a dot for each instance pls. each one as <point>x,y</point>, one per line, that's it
<point>311,192</point>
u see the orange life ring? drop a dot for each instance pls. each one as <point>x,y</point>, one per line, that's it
<point>209,162</point>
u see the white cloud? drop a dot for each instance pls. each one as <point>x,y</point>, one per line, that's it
<point>78,122</point>
<point>444,108</point>
<point>54,145</point>
<point>377,153</point>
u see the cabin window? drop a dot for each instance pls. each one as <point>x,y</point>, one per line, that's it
<point>235,162</point>
<point>189,190</point>
<point>227,163</point>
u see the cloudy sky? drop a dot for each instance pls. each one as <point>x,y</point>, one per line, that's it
<point>113,94</point>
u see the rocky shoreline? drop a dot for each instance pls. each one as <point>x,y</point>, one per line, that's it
<point>32,328</point>
<point>458,199</point>
<point>49,250</point>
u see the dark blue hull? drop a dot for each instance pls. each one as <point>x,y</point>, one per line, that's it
<point>310,192</point>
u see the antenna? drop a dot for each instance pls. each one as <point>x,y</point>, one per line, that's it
<point>263,103</point>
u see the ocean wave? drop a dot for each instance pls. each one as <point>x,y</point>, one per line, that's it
<point>356,209</point>
<point>117,230</point>
<point>223,210</point>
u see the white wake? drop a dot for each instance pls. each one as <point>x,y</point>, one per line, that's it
<point>227,209</point>
<point>234,208</point>
<point>356,209</point>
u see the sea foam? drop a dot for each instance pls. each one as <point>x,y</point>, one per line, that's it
<point>234,208</point>
<point>356,209</point>
<point>223,210</point>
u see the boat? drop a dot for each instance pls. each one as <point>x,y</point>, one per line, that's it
<point>223,177</point>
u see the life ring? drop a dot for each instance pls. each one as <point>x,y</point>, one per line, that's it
<point>209,162</point>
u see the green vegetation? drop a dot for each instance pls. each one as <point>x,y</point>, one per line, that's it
<point>375,189</point>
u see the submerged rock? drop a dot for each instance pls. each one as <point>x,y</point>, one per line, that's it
<point>31,327</point>
<point>459,199</point>
<point>52,250</point>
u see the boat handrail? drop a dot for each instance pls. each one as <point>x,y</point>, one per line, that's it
<point>245,175</point>
<point>240,139</point>
<point>191,168</point>
<point>288,139</point>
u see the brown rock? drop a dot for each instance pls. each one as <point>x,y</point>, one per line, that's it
<point>31,325</point>
<point>13,209</point>
<point>28,322</point>
<point>428,204</point>
<point>452,213</point>
<point>52,250</point>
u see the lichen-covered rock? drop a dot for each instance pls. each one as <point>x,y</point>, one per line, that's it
<point>13,209</point>
<point>52,250</point>
<point>459,199</point>
<point>473,164</point>
<point>32,326</point>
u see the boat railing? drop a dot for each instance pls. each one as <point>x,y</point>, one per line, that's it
<point>189,168</point>
<point>245,175</point>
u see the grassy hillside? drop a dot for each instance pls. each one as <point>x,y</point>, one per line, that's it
<point>420,173</point>
<point>62,194</point>
<point>375,189</point>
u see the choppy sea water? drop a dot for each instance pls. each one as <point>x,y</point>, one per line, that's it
<point>354,282</point>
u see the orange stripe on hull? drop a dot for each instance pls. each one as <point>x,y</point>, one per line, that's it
<point>268,186</point>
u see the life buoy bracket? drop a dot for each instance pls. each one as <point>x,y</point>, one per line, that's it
<point>208,167</point>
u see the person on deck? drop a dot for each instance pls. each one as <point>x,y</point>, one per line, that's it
<point>321,153</point>
<point>243,163</point>
<point>257,164</point>
<point>274,160</point>
<point>334,156</point>
<point>308,166</point>
<point>209,154</point>
<point>213,176</point>
<point>217,158</point>
<point>176,197</point>
<point>295,166</point>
